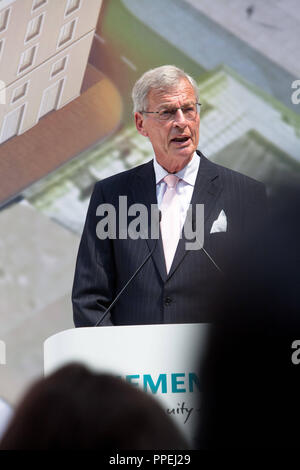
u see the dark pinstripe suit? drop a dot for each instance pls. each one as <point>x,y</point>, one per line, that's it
<point>183,296</point>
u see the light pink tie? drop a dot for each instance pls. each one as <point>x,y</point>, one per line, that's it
<point>170,219</point>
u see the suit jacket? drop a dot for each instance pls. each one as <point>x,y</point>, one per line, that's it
<point>184,294</point>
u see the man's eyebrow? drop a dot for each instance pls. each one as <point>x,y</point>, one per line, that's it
<point>165,105</point>
<point>172,106</point>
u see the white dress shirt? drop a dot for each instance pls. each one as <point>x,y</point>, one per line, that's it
<point>184,187</point>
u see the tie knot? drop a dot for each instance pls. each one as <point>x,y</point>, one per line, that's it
<point>171,180</point>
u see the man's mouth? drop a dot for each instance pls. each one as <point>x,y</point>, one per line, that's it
<point>180,139</point>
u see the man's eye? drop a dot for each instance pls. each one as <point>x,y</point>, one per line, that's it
<point>165,114</point>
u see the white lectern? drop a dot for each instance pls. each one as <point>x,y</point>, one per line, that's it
<point>161,359</point>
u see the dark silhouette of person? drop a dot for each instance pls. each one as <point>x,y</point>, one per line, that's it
<point>250,382</point>
<point>74,408</point>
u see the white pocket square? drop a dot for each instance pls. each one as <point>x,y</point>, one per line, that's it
<point>220,224</point>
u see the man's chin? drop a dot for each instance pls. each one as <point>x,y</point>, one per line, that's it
<point>180,159</point>
<point>184,152</point>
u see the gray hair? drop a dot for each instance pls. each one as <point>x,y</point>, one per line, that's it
<point>161,78</point>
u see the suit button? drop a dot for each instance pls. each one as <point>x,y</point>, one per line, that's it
<point>168,301</point>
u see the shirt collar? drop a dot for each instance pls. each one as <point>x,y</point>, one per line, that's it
<point>187,173</point>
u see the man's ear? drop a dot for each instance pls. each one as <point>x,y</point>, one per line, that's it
<point>139,123</point>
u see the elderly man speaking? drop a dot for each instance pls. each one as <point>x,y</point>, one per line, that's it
<point>122,279</point>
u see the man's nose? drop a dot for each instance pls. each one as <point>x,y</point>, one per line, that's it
<point>179,118</point>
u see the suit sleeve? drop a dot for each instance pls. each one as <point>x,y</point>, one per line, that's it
<point>94,280</point>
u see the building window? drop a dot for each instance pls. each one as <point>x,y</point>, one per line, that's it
<point>34,27</point>
<point>12,123</point>
<point>38,4</point>
<point>66,33</point>
<point>72,5</point>
<point>58,67</point>
<point>27,59</point>
<point>19,92</point>
<point>4,17</point>
<point>51,98</point>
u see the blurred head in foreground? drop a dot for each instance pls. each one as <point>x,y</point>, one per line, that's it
<point>74,408</point>
<point>251,372</point>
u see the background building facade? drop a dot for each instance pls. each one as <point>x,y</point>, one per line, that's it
<point>44,48</point>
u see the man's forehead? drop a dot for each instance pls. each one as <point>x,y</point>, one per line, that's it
<point>183,90</point>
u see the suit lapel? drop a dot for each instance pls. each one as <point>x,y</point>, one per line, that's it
<point>143,190</point>
<point>206,191</point>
